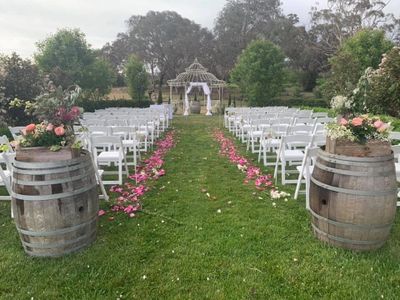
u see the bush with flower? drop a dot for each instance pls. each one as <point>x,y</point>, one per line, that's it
<point>341,104</point>
<point>56,110</point>
<point>359,129</point>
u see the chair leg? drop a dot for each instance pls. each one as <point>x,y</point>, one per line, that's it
<point>283,169</point>
<point>296,193</point>
<point>120,171</point>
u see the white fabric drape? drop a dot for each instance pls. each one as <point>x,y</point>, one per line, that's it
<point>206,91</point>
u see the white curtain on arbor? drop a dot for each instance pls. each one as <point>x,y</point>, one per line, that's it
<point>206,91</point>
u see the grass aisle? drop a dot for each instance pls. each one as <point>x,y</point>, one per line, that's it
<point>187,245</point>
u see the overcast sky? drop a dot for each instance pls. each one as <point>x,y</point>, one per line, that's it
<point>24,22</point>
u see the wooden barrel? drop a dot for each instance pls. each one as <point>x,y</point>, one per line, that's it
<point>55,203</point>
<point>353,198</point>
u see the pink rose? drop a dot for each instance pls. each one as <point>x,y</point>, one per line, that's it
<point>101,213</point>
<point>383,128</point>
<point>50,127</point>
<point>59,131</point>
<point>30,128</point>
<point>343,122</point>
<point>357,121</point>
<point>378,124</point>
<point>75,111</point>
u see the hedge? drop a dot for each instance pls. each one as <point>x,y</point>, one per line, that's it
<point>91,106</point>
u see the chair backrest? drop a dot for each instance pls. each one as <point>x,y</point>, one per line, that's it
<point>396,152</point>
<point>127,132</point>
<point>301,129</point>
<point>98,130</point>
<point>109,142</point>
<point>297,140</point>
<point>16,131</point>
<point>394,135</point>
<point>305,121</point>
<point>320,115</point>
<point>325,120</point>
<point>319,140</point>
<point>279,130</point>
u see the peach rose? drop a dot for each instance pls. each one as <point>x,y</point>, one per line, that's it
<point>343,121</point>
<point>357,121</point>
<point>50,127</point>
<point>59,131</point>
<point>30,128</point>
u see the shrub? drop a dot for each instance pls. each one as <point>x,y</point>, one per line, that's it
<point>136,78</point>
<point>259,72</point>
<point>378,91</point>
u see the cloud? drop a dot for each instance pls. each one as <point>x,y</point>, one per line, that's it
<point>23,23</point>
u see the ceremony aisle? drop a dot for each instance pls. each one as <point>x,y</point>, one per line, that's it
<point>204,231</point>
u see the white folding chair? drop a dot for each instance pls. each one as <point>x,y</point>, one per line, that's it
<point>396,153</point>
<point>111,152</point>
<point>305,171</point>
<point>129,141</point>
<point>270,141</point>
<point>291,150</point>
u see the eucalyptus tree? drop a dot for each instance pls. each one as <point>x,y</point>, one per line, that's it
<point>165,41</point>
<point>341,19</point>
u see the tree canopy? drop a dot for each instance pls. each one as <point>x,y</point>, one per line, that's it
<point>357,53</point>
<point>68,59</point>
<point>259,72</point>
<point>136,78</point>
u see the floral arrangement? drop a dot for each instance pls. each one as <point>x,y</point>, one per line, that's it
<point>359,129</point>
<point>55,109</point>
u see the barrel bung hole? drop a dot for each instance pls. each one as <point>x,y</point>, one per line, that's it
<point>324,202</point>
<point>80,209</point>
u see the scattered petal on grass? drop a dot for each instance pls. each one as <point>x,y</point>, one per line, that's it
<point>219,211</point>
<point>208,195</point>
<point>144,277</point>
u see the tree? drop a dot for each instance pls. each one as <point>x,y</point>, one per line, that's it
<point>64,56</point>
<point>363,50</point>
<point>68,59</point>
<point>164,41</point>
<point>242,21</point>
<point>97,79</point>
<point>259,72</point>
<point>19,78</point>
<point>136,78</point>
<point>343,18</point>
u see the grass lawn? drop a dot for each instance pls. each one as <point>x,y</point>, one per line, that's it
<point>186,245</point>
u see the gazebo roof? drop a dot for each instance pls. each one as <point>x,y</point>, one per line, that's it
<point>196,73</point>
